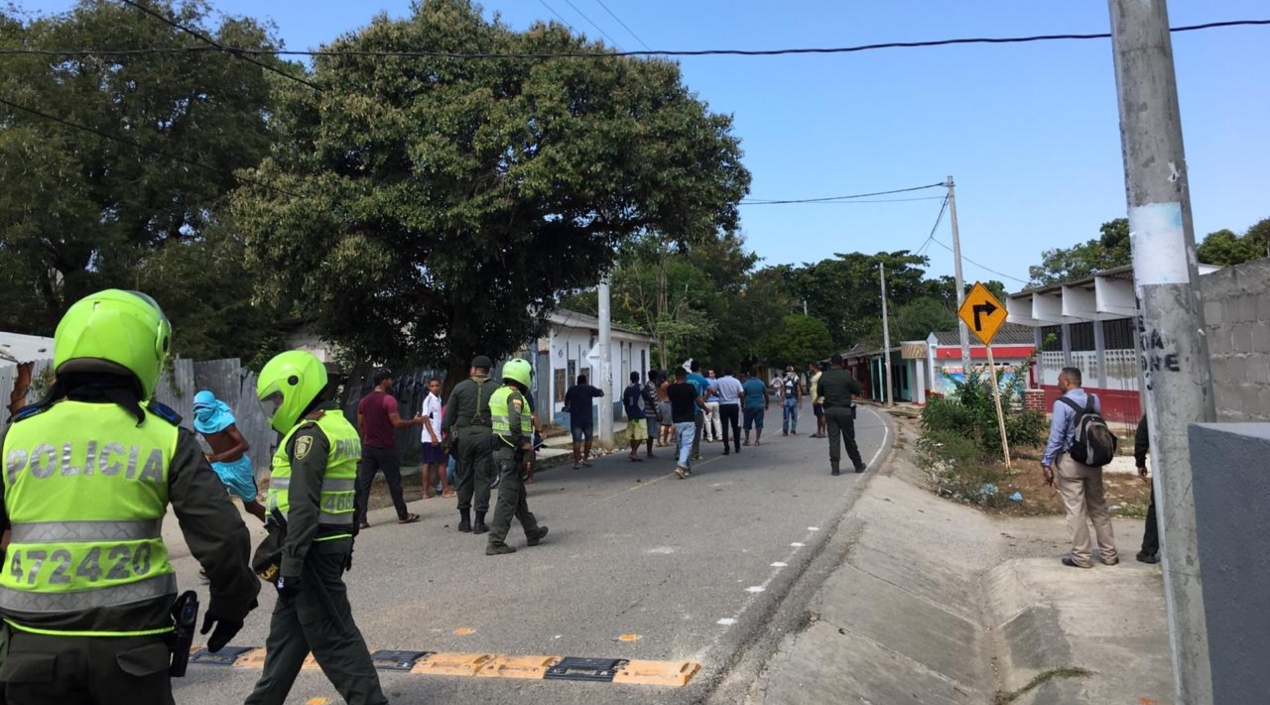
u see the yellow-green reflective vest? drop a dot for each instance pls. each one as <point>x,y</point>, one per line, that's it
<point>86,489</point>
<point>340,479</point>
<point>501,417</point>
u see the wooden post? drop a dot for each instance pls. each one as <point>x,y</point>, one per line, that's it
<point>996,397</point>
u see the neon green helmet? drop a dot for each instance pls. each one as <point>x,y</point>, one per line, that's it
<point>114,331</point>
<point>517,370</point>
<point>288,385</point>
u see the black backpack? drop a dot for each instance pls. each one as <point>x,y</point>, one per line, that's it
<point>1094,444</point>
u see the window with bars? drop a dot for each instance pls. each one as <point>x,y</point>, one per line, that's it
<point>1118,334</point>
<point>1052,339</point>
<point>1082,336</point>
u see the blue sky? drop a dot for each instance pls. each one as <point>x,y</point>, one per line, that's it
<point>1030,132</point>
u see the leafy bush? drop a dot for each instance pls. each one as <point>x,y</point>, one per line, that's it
<point>971,413</point>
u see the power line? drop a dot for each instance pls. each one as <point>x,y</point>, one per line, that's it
<point>202,37</point>
<point>559,16</point>
<point>628,29</point>
<point>938,219</point>
<point>593,24</point>
<point>613,54</point>
<point>838,203</point>
<point>143,147</point>
<point>770,202</point>
<point>939,242</point>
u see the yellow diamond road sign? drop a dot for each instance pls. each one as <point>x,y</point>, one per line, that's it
<point>982,313</point>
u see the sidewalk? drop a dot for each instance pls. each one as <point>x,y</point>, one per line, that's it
<point>938,603</point>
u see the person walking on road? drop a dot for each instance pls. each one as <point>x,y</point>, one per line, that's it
<point>312,486</point>
<point>216,423</point>
<point>792,398</point>
<point>757,403</point>
<point>577,404</point>
<point>701,383</point>
<point>817,402</point>
<point>378,419</point>
<point>513,427</point>
<point>434,455</point>
<point>836,387</point>
<point>1080,485</point>
<point>636,427</point>
<point>73,632</point>
<point>710,425</point>
<point>651,412</point>
<point>467,423</point>
<point>686,406</point>
<point>663,410</point>
<point>730,394</point>
<point>1150,552</point>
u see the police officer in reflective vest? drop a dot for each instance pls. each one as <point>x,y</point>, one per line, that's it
<point>87,591</point>
<point>312,485</point>
<point>512,442</point>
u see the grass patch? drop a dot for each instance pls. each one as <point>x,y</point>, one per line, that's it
<point>1041,679</point>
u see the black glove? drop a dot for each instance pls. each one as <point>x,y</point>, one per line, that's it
<point>226,629</point>
<point>289,586</point>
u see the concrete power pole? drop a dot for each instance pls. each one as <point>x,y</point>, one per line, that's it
<point>606,364</point>
<point>886,340</point>
<point>1174,352</point>
<point>961,284</point>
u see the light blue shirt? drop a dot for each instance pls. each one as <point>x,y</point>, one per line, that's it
<point>728,388</point>
<point>1063,426</point>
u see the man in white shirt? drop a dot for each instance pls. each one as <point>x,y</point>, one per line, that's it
<point>434,456</point>
<point>730,394</point>
<point>710,431</point>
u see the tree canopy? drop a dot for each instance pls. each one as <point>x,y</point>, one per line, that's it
<point>1226,249</point>
<point>434,208</point>
<point>1109,250</point>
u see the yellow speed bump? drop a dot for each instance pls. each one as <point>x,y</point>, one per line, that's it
<point>671,673</point>
<point>452,664</point>
<point>530,667</point>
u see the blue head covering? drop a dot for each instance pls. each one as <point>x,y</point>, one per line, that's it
<point>211,415</point>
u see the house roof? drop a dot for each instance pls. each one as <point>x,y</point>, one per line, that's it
<point>16,348</point>
<point>1010,334</point>
<point>576,319</point>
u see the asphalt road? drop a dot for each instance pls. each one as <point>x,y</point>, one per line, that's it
<point>684,569</point>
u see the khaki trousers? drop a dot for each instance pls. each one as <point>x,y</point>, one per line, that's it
<point>1083,496</point>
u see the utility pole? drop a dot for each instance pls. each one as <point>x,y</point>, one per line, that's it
<point>886,339</point>
<point>606,364</point>
<point>1174,352</point>
<point>961,284</point>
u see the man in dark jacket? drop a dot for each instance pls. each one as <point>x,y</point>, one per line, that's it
<point>1150,552</point>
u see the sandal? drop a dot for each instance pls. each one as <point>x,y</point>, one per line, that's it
<point>410,519</point>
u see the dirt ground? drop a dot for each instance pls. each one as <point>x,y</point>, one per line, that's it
<point>1127,495</point>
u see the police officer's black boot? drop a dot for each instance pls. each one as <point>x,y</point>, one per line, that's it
<point>479,527</point>
<point>465,520</point>
<point>834,464</point>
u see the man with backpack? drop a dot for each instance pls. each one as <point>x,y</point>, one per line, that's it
<point>1081,444</point>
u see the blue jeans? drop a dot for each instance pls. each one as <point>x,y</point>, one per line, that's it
<point>686,431</point>
<point>790,423</point>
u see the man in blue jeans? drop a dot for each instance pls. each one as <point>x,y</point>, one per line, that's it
<point>577,403</point>
<point>684,404</point>
<point>756,405</point>
<point>792,393</point>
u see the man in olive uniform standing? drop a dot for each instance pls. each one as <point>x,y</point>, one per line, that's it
<point>513,426</point>
<point>468,424</point>
<point>836,387</point>
<point>87,593</point>
<point>312,484</point>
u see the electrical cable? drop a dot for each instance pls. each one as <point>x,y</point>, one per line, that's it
<point>628,29</point>
<point>559,16</point>
<point>938,219</point>
<point>771,202</point>
<point>593,24</point>
<point>839,203</point>
<point>146,148</point>
<point>616,54</point>
<point>178,26</point>
<point>980,266</point>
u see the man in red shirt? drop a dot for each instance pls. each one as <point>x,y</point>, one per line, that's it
<point>378,420</point>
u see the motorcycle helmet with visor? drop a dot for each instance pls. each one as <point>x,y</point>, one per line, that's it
<point>288,385</point>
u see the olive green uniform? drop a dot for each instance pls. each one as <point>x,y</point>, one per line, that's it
<point>76,657</point>
<point>510,460</point>
<point>837,386</point>
<point>319,619</point>
<point>467,423</point>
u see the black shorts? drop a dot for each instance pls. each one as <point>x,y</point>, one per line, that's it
<point>818,410</point>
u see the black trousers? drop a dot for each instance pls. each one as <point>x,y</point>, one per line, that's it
<point>374,460</point>
<point>81,670</point>
<point>840,424</point>
<point>1151,536</point>
<point>730,416</point>
<point>318,620</point>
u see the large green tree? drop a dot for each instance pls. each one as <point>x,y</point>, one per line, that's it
<point>81,212</point>
<point>1227,249</point>
<point>1107,251</point>
<point>435,207</point>
<point>799,341</point>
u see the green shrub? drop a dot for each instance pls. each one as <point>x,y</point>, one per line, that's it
<point>956,468</point>
<point>971,413</point>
